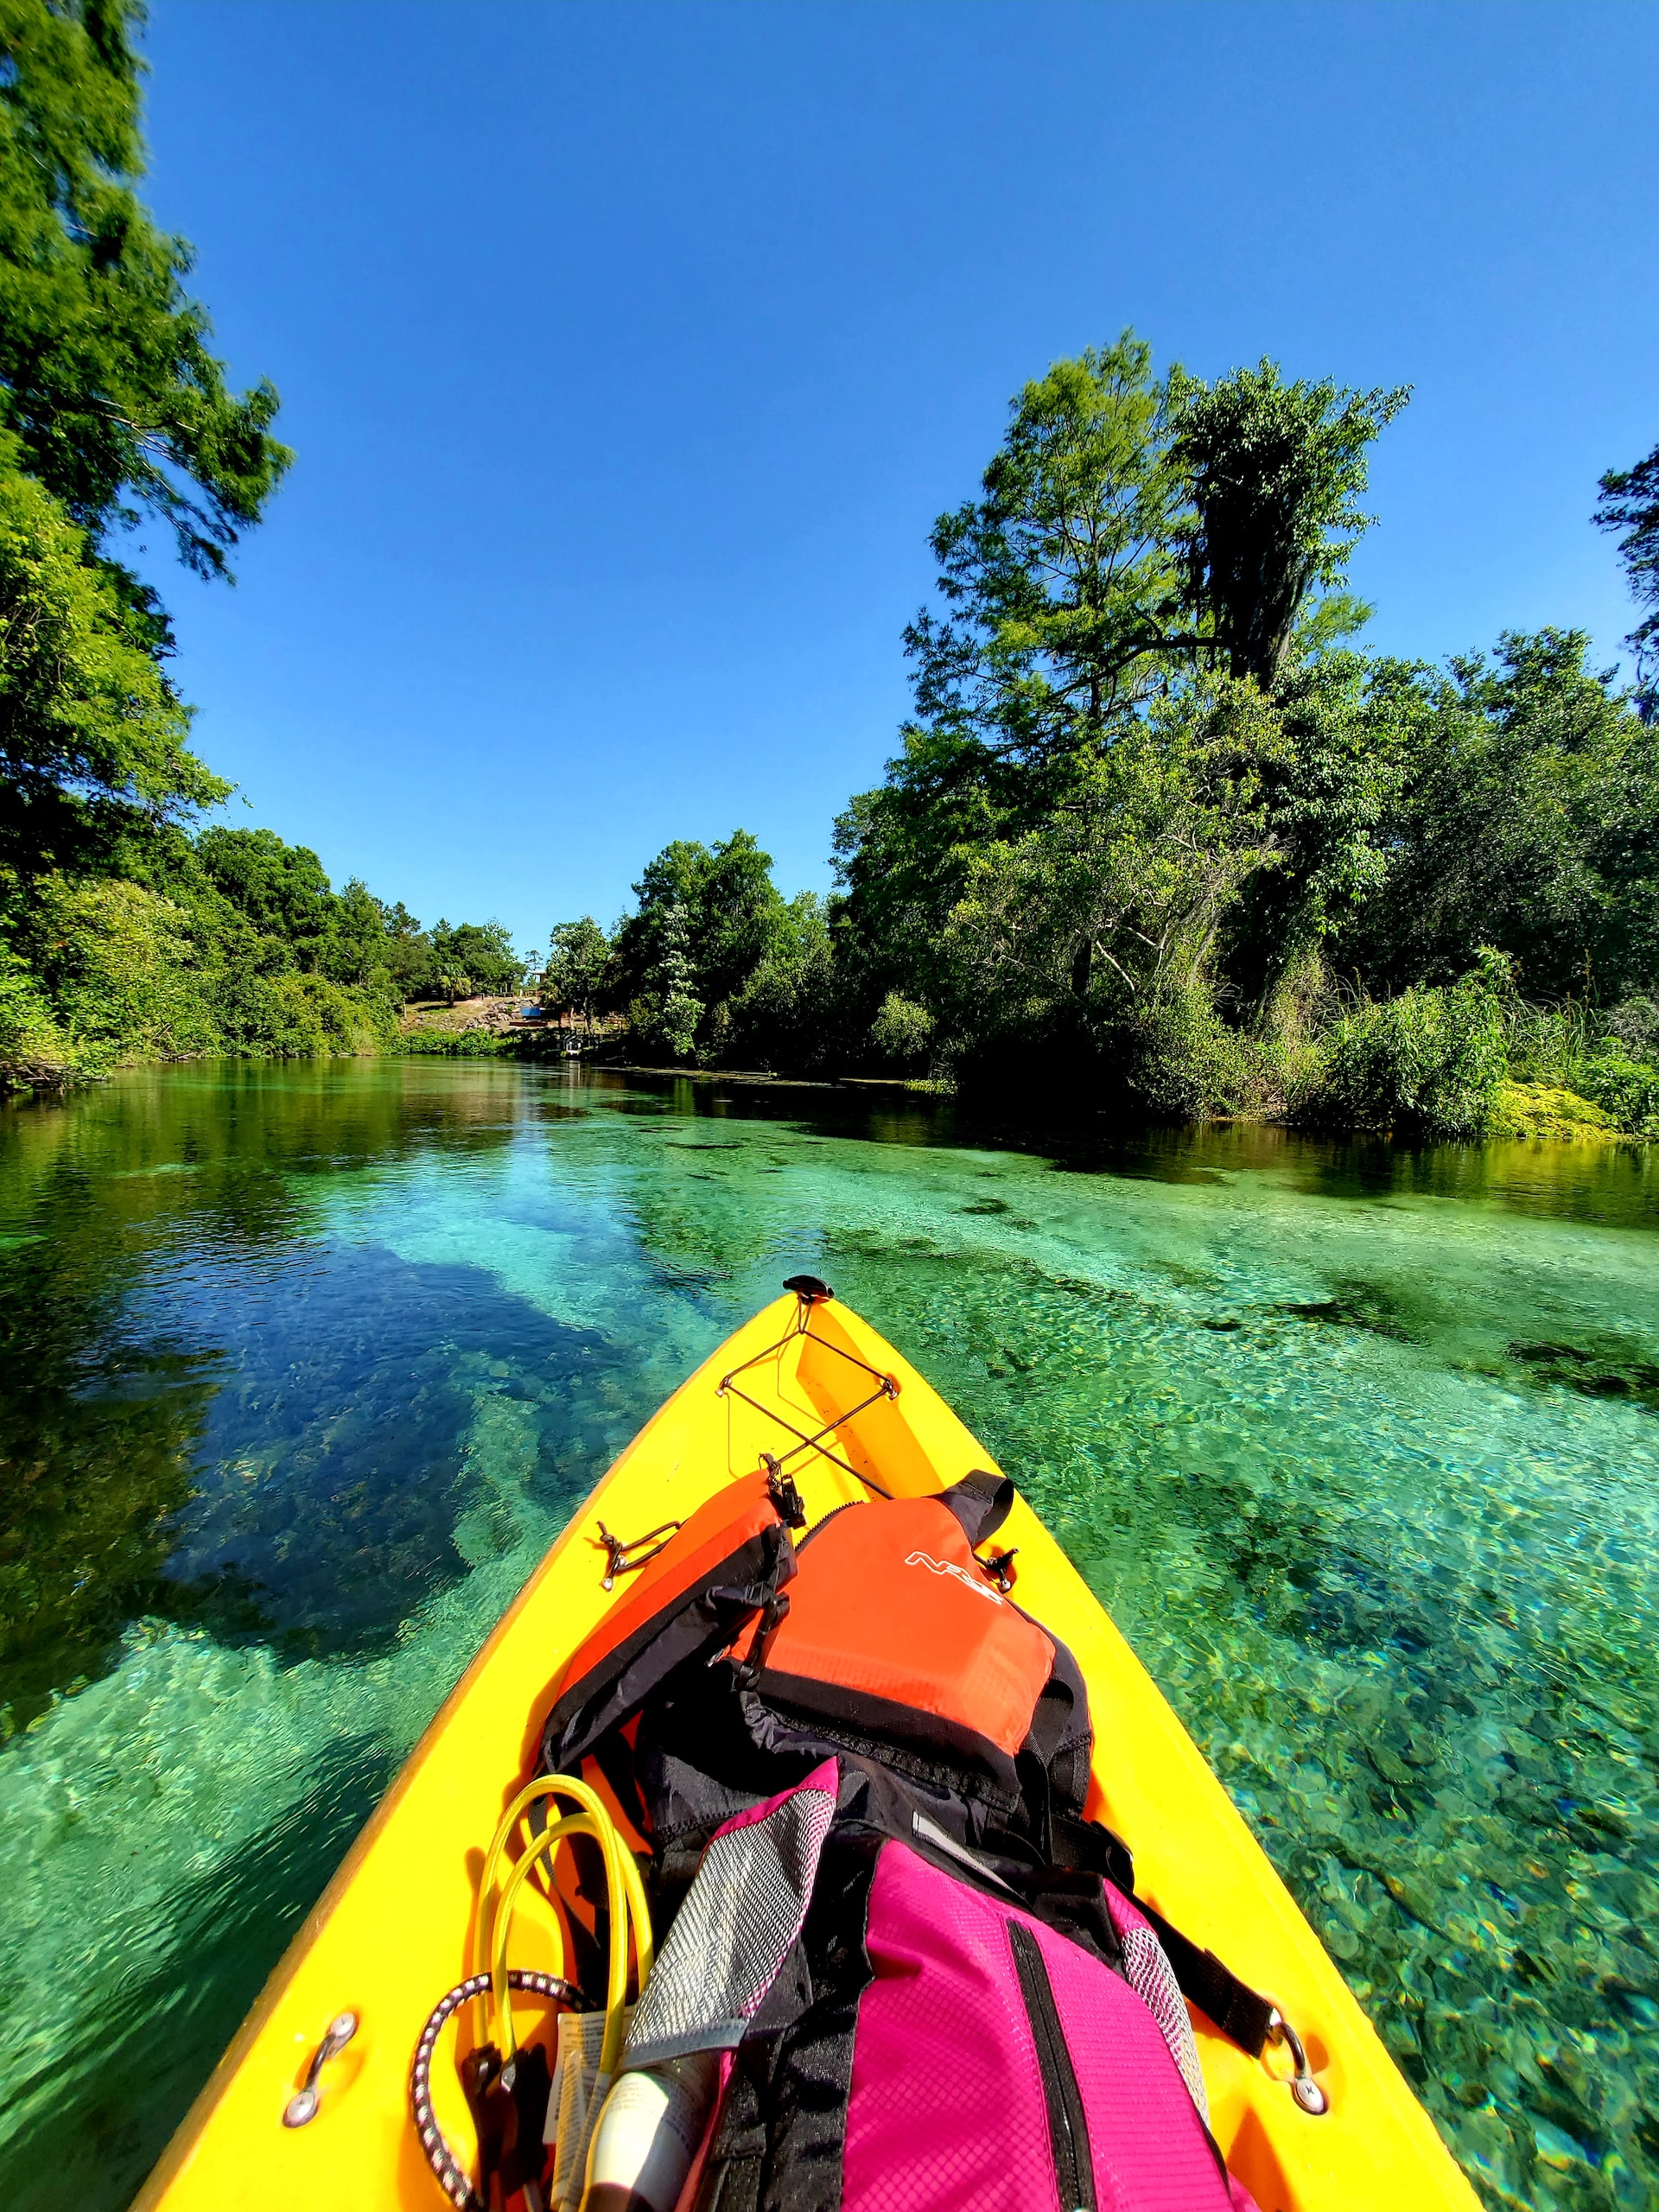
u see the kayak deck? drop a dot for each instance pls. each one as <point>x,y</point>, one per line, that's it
<point>390,1935</point>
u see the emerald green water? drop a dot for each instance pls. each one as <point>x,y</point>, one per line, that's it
<point>305,1366</point>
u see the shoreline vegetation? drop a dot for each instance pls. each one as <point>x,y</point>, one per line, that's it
<point>1160,835</point>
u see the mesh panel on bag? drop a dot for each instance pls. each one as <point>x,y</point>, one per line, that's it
<point>731,1935</point>
<point>1148,1972</point>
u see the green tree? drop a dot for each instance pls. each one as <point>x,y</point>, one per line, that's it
<point>714,908</point>
<point>1630,502</point>
<point>1061,582</point>
<point>1059,589</point>
<point>1130,532</point>
<point>354,947</point>
<point>784,1013</point>
<point>106,377</point>
<point>738,916</point>
<point>1325,784</point>
<point>1527,818</point>
<point>476,955</point>
<point>92,735</point>
<point>113,409</point>
<point>578,956</point>
<point>676,1009</point>
<point>1273,471</point>
<point>281,888</point>
<point>673,880</point>
<point>406,950</point>
<point>1084,936</point>
<point>902,1033</point>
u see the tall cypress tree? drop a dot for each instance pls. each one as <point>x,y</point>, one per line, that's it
<point>113,410</point>
<point>1630,502</point>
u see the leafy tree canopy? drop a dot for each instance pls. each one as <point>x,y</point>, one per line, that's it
<point>92,735</point>
<point>1115,903</point>
<point>1061,582</point>
<point>1327,780</point>
<point>406,950</point>
<point>718,903</point>
<point>1273,471</point>
<point>1630,502</point>
<point>1527,818</point>
<point>281,888</point>
<point>356,950</point>
<point>106,378</point>
<point>578,955</point>
<point>113,409</point>
<point>475,957</point>
<point>715,963</point>
<point>1133,534</point>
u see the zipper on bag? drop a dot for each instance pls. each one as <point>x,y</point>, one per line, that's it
<point>1068,2126</point>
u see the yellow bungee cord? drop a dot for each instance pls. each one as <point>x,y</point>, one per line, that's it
<point>629,1915</point>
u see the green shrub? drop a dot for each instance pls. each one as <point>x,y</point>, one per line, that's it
<point>1427,1063</point>
<point>31,1043</point>
<point>117,964</point>
<point>1185,1061</point>
<point>453,1044</point>
<point>1626,1090</point>
<point>289,1016</point>
<point>1549,1045</point>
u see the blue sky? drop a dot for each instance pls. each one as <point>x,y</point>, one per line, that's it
<point>629,351</point>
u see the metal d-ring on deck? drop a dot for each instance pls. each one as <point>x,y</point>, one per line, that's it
<point>1302,2086</point>
<point>811,1292</point>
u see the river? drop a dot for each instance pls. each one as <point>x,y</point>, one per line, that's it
<point>306,1364</point>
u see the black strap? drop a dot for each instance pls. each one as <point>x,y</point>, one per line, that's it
<point>981,1502</point>
<point>1242,2013</point>
<point>698,1621</point>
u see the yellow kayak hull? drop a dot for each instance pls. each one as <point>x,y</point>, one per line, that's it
<point>390,1935</point>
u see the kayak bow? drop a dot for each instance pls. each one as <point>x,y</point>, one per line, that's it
<point>310,2104</point>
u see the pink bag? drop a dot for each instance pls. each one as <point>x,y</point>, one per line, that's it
<point>924,2044</point>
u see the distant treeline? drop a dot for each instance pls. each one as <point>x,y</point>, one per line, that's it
<point>1160,835</point>
<point>229,942</point>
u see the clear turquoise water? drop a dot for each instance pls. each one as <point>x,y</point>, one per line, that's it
<point>304,1367</point>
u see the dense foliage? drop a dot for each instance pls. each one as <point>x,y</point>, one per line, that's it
<point>113,410</point>
<point>712,961</point>
<point>1158,828</point>
<point>229,942</point>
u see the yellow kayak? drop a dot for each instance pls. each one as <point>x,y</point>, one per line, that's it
<point>391,1934</point>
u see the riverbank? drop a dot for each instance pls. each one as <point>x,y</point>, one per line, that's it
<point>1538,1113</point>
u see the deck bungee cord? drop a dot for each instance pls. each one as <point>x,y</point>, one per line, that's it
<point>493,2064</point>
<point>809,1291</point>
